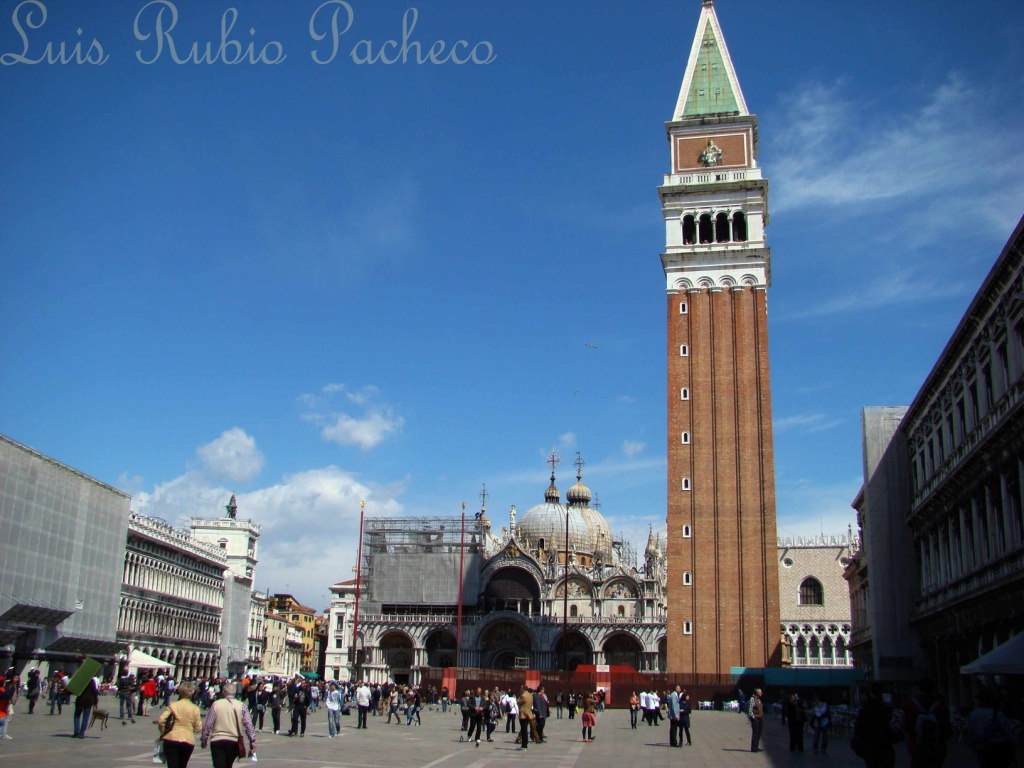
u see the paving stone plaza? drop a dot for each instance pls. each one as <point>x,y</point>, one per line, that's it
<point>720,739</point>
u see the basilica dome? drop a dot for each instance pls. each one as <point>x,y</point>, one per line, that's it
<point>543,527</point>
<point>599,534</point>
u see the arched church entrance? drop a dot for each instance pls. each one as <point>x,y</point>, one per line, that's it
<point>396,651</point>
<point>623,650</point>
<point>505,642</point>
<point>441,649</point>
<point>513,589</point>
<point>576,651</point>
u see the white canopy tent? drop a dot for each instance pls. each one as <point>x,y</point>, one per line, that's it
<point>1007,659</point>
<point>140,660</point>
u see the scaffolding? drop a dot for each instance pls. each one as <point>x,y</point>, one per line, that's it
<point>414,561</point>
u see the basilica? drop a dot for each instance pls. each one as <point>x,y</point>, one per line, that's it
<point>552,589</point>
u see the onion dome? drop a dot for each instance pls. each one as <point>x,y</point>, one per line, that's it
<point>578,494</point>
<point>551,495</point>
<point>544,525</point>
<point>599,534</point>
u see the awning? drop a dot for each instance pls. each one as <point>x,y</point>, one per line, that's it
<point>138,659</point>
<point>85,646</point>
<point>1007,659</point>
<point>35,615</point>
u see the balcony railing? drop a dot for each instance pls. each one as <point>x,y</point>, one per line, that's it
<point>988,422</point>
<point>711,176</point>
<point>937,595</point>
<point>442,619</point>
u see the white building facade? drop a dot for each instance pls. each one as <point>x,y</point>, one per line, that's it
<point>814,600</point>
<point>172,597</point>
<point>339,630</point>
<point>239,540</point>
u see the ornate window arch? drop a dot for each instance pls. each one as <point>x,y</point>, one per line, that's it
<point>811,592</point>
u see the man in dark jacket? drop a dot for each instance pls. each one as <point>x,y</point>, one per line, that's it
<point>872,732</point>
<point>542,710</point>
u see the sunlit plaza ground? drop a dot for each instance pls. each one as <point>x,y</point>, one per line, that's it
<point>720,739</point>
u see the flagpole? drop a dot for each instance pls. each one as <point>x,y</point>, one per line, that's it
<point>462,557</point>
<point>359,580</point>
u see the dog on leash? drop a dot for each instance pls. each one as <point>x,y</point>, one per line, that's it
<point>99,714</point>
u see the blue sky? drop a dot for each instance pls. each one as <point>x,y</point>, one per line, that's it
<point>314,283</point>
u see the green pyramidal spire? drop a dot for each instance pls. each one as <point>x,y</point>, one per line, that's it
<point>710,86</point>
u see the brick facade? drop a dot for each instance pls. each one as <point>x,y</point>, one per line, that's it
<point>723,595</point>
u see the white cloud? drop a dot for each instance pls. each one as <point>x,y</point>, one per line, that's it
<point>366,432</point>
<point>130,484</point>
<point>952,159</point>
<point>309,520</point>
<point>363,396</point>
<point>567,440</point>
<point>903,287</point>
<point>626,399</point>
<point>806,508</point>
<point>233,455</point>
<point>805,422</point>
<point>631,448</point>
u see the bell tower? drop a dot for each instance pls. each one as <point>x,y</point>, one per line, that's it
<point>723,595</point>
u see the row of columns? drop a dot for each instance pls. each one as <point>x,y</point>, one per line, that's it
<point>985,387</point>
<point>147,572</point>
<point>984,527</point>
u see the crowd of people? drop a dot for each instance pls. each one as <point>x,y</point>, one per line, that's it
<point>226,715</point>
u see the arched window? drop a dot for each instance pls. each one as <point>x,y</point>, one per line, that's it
<point>573,612</point>
<point>811,592</point>
<point>540,543</point>
<point>684,393</point>
<point>801,651</point>
<point>689,230</point>
<point>739,227</point>
<point>686,484</point>
<point>687,628</point>
<point>826,651</point>
<point>684,350</point>
<point>722,228</point>
<point>686,532</point>
<point>687,579</point>
<point>841,652</point>
<point>813,652</point>
<point>621,611</point>
<point>685,438</point>
<point>706,230</point>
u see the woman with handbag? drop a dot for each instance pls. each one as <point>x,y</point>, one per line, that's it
<point>178,725</point>
<point>225,727</point>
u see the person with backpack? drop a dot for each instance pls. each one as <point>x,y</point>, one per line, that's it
<point>991,734</point>
<point>511,710</point>
<point>56,692</point>
<point>300,707</point>
<point>872,732</point>
<point>926,724</point>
